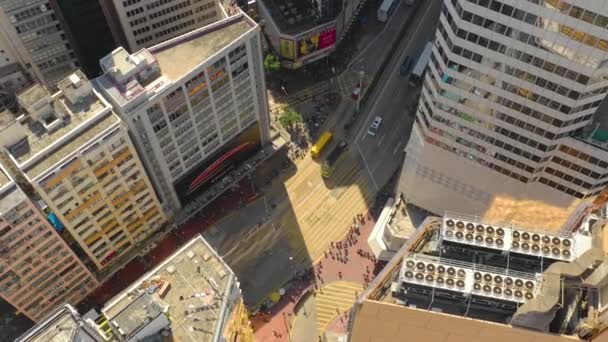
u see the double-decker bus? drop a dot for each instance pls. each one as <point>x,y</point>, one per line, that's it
<point>333,159</point>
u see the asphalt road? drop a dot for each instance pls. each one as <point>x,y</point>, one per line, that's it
<point>383,154</point>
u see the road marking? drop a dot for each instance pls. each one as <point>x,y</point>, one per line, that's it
<point>388,23</point>
<point>309,194</point>
<point>393,74</point>
<point>397,147</point>
<point>381,139</point>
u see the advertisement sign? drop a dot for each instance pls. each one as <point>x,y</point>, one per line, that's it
<point>287,49</point>
<point>316,41</point>
<point>214,168</point>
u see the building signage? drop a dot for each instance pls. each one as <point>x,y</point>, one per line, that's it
<point>316,41</point>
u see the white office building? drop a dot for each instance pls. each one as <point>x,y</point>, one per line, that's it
<point>504,123</point>
<point>196,105</point>
<point>142,23</point>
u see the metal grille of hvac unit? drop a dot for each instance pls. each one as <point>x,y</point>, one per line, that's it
<point>476,234</point>
<point>496,284</point>
<point>545,245</point>
<point>507,239</point>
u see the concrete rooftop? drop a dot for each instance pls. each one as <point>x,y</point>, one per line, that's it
<point>62,325</point>
<point>180,55</point>
<point>198,285</point>
<point>80,122</point>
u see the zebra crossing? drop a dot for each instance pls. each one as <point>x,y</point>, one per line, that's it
<point>334,299</point>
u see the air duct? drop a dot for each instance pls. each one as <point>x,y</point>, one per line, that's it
<point>539,311</point>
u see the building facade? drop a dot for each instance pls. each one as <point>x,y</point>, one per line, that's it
<point>38,41</point>
<point>78,157</point>
<point>196,105</point>
<point>38,270</point>
<point>305,31</point>
<point>144,23</point>
<point>502,123</point>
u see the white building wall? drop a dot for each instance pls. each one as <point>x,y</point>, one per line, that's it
<point>204,125</point>
<point>149,22</point>
<point>510,82</point>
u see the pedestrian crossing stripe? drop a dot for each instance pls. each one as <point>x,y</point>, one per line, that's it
<point>333,300</point>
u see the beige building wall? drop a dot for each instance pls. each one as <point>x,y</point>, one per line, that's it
<point>38,270</point>
<point>382,322</point>
<point>103,195</point>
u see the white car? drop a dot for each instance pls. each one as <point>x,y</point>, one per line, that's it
<point>373,128</point>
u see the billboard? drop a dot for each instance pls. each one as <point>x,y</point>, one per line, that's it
<point>287,49</point>
<point>213,169</point>
<point>316,41</point>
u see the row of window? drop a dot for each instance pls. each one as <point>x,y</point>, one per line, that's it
<point>170,9</point>
<point>143,40</point>
<point>172,19</point>
<point>473,133</point>
<point>583,156</point>
<point>175,28</point>
<point>138,21</point>
<point>509,33</point>
<point>521,92</point>
<point>499,115</point>
<point>525,124</point>
<point>550,25</point>
<point>160,3</point>
<point>135,11</point>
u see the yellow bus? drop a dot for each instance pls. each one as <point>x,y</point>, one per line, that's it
<point>318,147</point>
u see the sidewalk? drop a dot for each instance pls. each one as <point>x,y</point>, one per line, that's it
<point>340,264</point>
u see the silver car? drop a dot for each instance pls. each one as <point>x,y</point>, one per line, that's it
<point>375,126</point>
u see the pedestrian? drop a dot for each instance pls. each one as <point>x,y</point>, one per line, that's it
<point>325,255</point>
<point>340,275</point>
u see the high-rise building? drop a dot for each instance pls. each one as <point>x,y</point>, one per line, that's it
<point>143,23</point>
<point>37,40</point>
<point>195,105</point>
<point>502,126</point>
<point>78,157</point>
<point>38,270</point>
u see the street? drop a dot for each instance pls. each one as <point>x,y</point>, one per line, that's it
<point>395,101</point>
